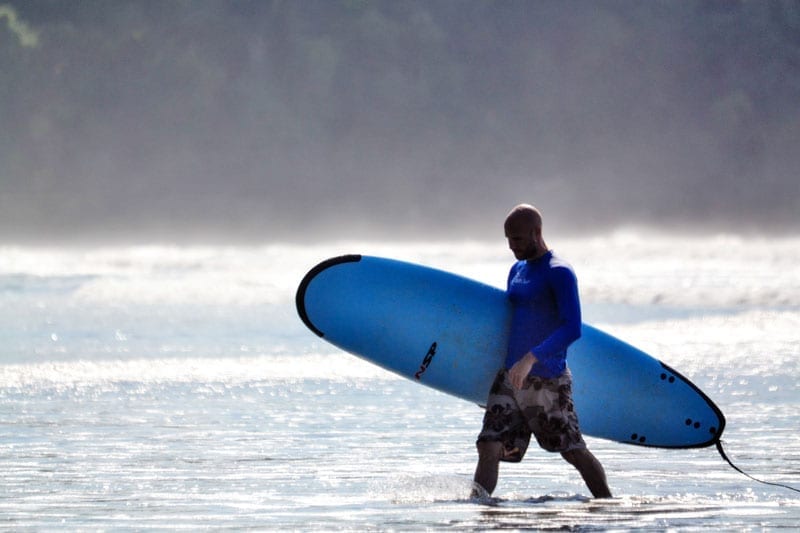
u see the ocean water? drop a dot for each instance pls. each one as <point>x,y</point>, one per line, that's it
<point>175,388</point>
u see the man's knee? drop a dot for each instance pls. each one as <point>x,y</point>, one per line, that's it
<point>490,450</point>
<point>576,457</point>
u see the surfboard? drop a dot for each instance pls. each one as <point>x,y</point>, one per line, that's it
<point>450,333</point>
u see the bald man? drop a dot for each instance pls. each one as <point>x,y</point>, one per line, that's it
<point>533,393</point>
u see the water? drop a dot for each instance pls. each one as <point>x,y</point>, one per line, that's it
<point>174,388</point>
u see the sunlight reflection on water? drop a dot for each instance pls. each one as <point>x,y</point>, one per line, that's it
<point>173,387</point>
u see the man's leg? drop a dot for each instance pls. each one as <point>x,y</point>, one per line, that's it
<point>591,470</point>
<point>487,471</point>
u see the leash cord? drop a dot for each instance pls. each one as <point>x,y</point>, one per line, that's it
<point>724,456</point>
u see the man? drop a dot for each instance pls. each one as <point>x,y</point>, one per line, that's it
<point>533,394</point>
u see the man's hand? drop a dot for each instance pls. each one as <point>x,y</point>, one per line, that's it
<point>521,369</point>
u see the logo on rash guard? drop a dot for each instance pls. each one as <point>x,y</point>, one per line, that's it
<point>426,361</point>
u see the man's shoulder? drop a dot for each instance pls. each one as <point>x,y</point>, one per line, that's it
<point>556,261</point>
<point>560,266</point>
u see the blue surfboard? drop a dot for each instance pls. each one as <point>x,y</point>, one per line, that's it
<point>450,333</point>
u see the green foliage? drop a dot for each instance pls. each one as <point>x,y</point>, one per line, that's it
<point>20,29</point>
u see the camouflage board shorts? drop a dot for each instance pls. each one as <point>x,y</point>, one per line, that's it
<point>543,407</point>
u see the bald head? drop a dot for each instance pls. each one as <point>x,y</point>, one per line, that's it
<point>523,228</point>
<point>524,215</point>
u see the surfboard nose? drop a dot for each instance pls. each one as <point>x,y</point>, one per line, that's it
<point>300,297</point>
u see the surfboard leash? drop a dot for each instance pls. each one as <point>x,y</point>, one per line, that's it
<point>724,456</point>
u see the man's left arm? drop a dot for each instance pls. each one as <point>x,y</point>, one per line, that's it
<point>565,291</point>
<point>568,307</point>
<point>548,352</point>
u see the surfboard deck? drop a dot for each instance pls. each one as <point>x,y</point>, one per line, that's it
<point>450,333</point>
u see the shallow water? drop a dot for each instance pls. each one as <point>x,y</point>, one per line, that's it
<point>175,388</point>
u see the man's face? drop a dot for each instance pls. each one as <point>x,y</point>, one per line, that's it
<point>522,240</point>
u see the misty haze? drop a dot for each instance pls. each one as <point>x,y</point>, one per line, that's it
<point>268,120</point>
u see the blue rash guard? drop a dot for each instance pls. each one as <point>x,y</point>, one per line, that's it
<point>546,315</point>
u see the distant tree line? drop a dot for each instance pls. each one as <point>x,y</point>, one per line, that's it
<point>246,114</point>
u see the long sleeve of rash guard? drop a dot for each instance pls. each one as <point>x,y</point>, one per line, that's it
<point>553,350</point>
